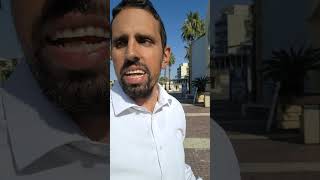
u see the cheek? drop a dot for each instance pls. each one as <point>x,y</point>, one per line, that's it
<point>117,63</point>
<point>155,63</point>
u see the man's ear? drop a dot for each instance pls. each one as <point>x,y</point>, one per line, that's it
<point>166,57</point>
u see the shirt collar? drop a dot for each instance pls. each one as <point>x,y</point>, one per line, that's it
<point>35,125</point>
<point>121,102</point>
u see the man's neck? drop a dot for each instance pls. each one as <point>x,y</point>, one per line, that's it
<point>149,102</point>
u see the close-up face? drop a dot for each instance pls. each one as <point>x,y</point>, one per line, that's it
<point>66,43</point>
<point>137,52</point>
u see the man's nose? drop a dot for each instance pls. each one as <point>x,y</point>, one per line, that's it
<point>132,52</point>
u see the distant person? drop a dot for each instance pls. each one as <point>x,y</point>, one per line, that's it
<point>53,113</point>
<point>148,125</point>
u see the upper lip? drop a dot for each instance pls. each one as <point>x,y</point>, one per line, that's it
<point>75,20</point>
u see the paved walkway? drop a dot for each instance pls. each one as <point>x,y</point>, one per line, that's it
<point>197,142</point>
<point>276,157</point>
<point>279,155</point>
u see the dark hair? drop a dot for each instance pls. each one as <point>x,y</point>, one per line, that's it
<point>145,5</point>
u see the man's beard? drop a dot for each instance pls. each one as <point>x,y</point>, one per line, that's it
<point>81,92</point>
<point>76,92</point>
<point>136,91</point>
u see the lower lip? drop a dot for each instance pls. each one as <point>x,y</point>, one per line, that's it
<point>135,79</point>
<point>76,60</point>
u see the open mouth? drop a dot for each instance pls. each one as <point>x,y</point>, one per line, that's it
<point>135,76</point>
<point>77,41</point>
<point>87,39</point>
<point>135,73</point>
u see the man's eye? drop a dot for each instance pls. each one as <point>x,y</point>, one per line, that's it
<point>145,41</point>
<point>119,43</point>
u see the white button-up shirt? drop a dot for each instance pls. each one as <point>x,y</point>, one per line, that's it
<point>147,145</point>
<point>38,141</point>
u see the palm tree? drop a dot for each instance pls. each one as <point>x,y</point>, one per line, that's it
<point>290,68</point>
<point>192,28</point>
<point>171,62</point>
<point>165,77</point>
<point>6,68</point>
<point>201,83</point>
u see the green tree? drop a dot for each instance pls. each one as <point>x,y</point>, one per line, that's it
<point>171,62</point>
<point>163,80</point>
<point>192,28</point>
<point>165,77</point>
<point>289,67</point>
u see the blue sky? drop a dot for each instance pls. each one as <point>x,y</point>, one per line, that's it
<point>173,14</point>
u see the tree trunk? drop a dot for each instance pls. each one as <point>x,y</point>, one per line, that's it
<point>190,67</point>
<point>165,78</point>
<point>169,77</point>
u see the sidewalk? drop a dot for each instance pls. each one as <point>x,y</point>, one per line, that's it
<point>280,158</point>
<point>279,155</point>
<point>197,142</point>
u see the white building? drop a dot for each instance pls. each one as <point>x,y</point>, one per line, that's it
<point>231,30</point>
<point>231,56</point>
<point>183,71</point>
<point>200,53</point>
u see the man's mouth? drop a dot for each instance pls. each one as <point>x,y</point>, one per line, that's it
<point>135,76</point>
<point>87,39</point>
<point>77,41</point>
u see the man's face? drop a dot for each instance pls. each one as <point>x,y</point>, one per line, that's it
<point>137,52</point>
<point>66,44</point>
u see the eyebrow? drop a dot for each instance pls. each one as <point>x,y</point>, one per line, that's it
<point>137,36</point>
<point>120,37</point>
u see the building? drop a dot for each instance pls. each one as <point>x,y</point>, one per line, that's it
<point>231,56</point>
<point>232,30</point>
<point>279,29</point>
<point>183,71</point>
<point>200,53</point>
<point>272,34</point>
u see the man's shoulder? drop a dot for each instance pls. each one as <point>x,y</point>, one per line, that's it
<point>174,100</point>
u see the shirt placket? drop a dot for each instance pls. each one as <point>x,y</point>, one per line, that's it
<point>158,143</point>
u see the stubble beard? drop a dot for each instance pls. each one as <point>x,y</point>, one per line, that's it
<point>136,91</point>
<point>76,92</point>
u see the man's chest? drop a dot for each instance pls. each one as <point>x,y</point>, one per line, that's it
<point>146,146</point>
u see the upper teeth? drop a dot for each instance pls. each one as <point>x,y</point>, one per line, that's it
<point>135,72</point>
<point>80,32</point>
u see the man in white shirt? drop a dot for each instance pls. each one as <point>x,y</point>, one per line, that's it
<point>53,109</point>
<point>148,125</point>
